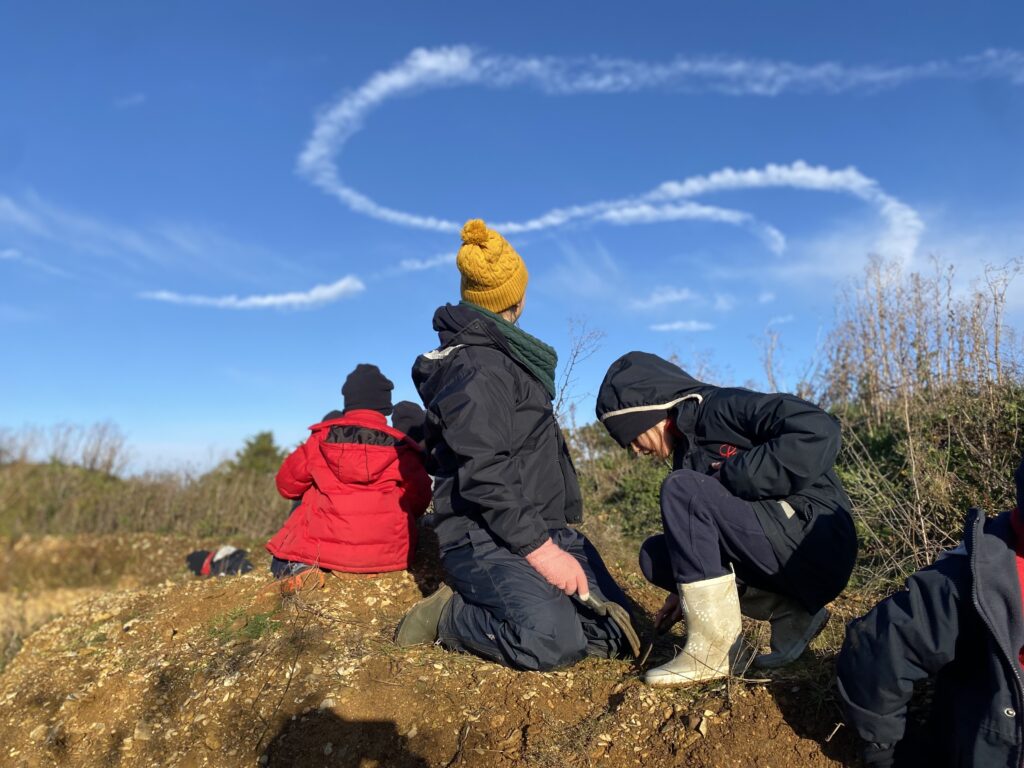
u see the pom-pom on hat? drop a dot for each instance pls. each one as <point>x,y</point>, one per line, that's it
<point>493,274</point>
<point>367,388</point>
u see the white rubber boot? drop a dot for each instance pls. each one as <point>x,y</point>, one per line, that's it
<point>793,627</point>
<point>713,634</point>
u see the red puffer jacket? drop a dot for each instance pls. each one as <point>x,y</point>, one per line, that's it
<point>362,486</point>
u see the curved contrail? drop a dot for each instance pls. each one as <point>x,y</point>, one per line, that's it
<point>673,200</point>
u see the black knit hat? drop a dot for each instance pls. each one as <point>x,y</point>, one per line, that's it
<point>408,418</point>
<point>367,388</point>
<point>640,390</point>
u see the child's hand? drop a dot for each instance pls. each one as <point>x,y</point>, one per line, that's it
<point>669,614</point>
<point>879,755</point>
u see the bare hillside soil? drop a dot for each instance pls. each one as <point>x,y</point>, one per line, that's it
<point>226,673</point>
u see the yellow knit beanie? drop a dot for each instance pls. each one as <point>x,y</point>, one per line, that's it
<point>493,274</point>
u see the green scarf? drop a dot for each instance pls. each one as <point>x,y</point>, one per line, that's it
<point>539,358</point>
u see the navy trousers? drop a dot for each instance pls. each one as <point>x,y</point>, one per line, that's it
<point>708,532</point>
<point>503,610</point>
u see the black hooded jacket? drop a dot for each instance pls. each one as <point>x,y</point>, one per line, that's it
<point>500,458</point>
<point>772,447</point>
<point>959,621</point>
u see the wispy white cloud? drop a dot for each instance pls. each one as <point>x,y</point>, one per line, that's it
<point>724,302</point>
<point>591,273</point>
<point>781,320</point>
<point>419,265</point>
<point>129,100</point>
<point>78,232</point>
<point>463,66</point>
<point>690,326</point>
<point>13,254</point>
<point>320,294</point>
<point>765,297</point>
<point>36,225</point>
<point>661,296</point>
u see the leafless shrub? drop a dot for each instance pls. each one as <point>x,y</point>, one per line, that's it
<point>929,383</point>
<point>69,479</point>
<point>583,343</point>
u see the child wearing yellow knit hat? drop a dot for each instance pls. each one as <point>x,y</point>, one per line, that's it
<point>506,493</point>
<point>493,274</point>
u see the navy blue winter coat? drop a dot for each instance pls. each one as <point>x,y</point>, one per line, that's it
<point>959,621</point>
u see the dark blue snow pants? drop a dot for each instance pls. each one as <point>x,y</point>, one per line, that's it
<point>707,532</point>
<point>505,611</point>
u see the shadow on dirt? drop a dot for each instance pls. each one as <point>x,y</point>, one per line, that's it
<point>322,738</point>
<point>807,697</point>
<point>426,567</point>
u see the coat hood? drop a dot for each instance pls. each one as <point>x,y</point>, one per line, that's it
<point>457,326</point>
<point>359,464</point>
<point>639,390</point>
<point>371,454</point>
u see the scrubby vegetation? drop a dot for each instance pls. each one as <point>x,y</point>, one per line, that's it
<point>69,480</point>
<point>928,382</point>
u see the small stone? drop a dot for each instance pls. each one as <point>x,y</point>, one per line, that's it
<point>142,731</point>
<point>328,748</point>
<point>37,733</point>
<point>702,729</point>
<point>130,625</point>
<point>411,733</point>
<point>667,714</point>
<point>327,703</point>
<point>212,743</point>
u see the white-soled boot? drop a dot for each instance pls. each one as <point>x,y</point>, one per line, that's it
<point>793,627</point>
<point>714,636</point>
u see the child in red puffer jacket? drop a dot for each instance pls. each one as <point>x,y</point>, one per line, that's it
<point>362,485</point>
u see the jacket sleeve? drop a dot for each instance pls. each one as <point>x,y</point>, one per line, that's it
<point>906,638</point>
<point>294,477</point>
<point>795,443</point>
<point>416,489</point>
<point>476,411</point>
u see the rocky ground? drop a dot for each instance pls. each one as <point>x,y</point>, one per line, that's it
<point>227,673</point>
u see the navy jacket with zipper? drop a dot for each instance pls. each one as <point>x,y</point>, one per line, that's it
<point>500,457</point>
<point>959,621</point>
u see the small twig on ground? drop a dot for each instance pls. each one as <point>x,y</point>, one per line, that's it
<point>463,733</point>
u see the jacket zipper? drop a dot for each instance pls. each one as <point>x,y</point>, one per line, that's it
<point>988,625</point>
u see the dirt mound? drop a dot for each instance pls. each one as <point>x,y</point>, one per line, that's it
<point>226,673</point>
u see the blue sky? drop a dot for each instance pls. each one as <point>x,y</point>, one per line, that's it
<point>210,212</point>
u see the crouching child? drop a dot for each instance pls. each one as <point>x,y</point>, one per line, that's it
<point>361,486</point>
<point>961,622</point>
<point>752,503</point>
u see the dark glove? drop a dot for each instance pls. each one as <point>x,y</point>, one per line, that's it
<point>879,755</point>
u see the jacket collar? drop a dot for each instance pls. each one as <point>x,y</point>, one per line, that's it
<point>364,417</point>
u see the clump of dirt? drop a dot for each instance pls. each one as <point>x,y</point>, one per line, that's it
<point>227,673</point>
